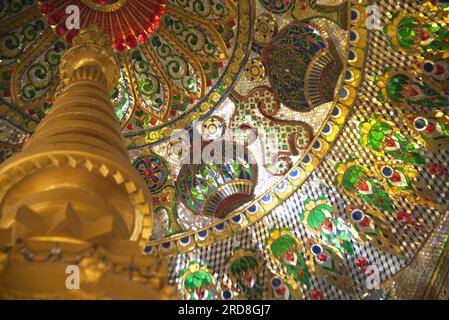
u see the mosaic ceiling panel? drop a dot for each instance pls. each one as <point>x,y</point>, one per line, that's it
<point>343,133</point>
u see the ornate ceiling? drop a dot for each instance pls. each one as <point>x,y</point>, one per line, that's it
<point>342,131</point>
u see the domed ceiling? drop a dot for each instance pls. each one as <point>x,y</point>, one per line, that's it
<point>338,133</point>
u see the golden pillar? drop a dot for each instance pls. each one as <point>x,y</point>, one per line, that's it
<point>71,204</point>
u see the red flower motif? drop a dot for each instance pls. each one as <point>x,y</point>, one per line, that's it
<point>396,177</point>
<point>317,295</point>
<point>365,222</point>
<point>362,263</point>
<point>281,290</point>
<point>322,257</point>
<point>403,216</point>
<point>438,170</point>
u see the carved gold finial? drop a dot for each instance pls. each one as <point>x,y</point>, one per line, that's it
<point>92,53</point>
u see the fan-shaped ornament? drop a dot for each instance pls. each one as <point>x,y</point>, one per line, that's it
<point>303,69</point>
<point>218,187</point>
<point>128,22</point>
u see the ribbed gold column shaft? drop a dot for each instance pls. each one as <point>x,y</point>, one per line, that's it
<point>82,118</point>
